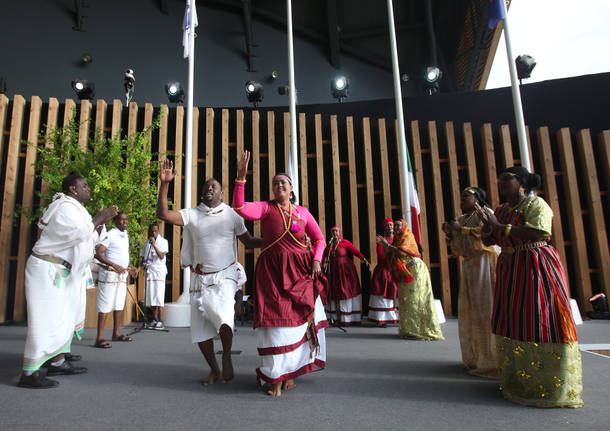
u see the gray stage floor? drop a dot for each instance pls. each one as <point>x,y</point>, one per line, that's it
<point>373,380</point>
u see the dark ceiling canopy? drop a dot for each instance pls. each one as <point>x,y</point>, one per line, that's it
<point>450,34</point>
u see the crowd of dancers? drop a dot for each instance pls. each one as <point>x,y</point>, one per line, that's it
<point>514,316</point>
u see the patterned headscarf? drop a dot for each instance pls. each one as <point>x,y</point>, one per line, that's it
<point>405,242</point>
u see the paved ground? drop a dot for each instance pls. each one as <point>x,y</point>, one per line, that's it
<point>373,380</point>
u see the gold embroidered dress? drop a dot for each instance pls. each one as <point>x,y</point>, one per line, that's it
<point>477,278</point>
<point>539,359</point>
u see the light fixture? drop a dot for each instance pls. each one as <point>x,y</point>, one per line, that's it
<point>85,90</point>
<point>525,65</point>
<point>254,92</point>
<point>275,74</point>
<point>86,59</point>
<point>175,92</point>
<point>339,87</point>
<point>432,76</point>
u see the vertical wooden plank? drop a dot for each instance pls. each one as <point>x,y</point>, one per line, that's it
<point>117,111</point>
<point>403,205</point>
<point>271,149</point>
<point>100,116</point>
<point>454,178</point>
<point>506,147</point>
<point>603,140</point>
<point>353,186</point>
<point>421,190</point>
<point>132,120</point>
<point>69,111</point>
<point>385,169</point>
<point>8,201</point>
<point>176,273</point>
<point>85,123</point>
<point>164,113</point>
<point>588,175</point>
<point>334,139</point>
<point>256,174</point>
<point>574,210</point>
<point>194,159</point>
<point>148,117</point>
<point>320,174</point>
<point>491,176</point>
<point>209,143</point>
<point>25,227</point>
<point>303,157</point>
<point>470,158</point>
<point>52,117</point>
<point>286,139</point>
<point>370,188</point>
<point>241,252</point>
<point>3,115</point>
<point>225,151</point>
<point>547,171</point>
<point>439,209</point>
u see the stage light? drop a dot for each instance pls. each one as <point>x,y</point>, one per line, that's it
<point>431,77</point>
<point>433,74</point>
<point>85,90</point>
<point>339,87</point>
<point>175,92</point>
<point>86,59</point>
<point>525,65</point>
<point>254,92</point>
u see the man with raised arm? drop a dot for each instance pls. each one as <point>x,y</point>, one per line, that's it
<point>210,249</point>
<point>54,277</point>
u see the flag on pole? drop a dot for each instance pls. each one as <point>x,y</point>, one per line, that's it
<point>186,25</point>
<point>495,13</point>
<point>412,216</point>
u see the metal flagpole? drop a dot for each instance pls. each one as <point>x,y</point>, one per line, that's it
<point>518,108</point>
<point>293,167</point>
<point>404,171</point>
<point>189,137</point>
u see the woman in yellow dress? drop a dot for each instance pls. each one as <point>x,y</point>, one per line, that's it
<point>417,317</point>
<point>538,355</point>
<point>477,278</point>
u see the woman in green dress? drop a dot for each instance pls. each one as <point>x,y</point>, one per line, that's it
<point>417,317</point>
<point>538,353</point>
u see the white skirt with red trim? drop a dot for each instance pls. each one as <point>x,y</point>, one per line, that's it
<point>289,352</point>
<point>382,310</point>
<point>349,312</point>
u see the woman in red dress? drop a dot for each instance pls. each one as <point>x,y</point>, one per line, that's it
<point>288,313</point>
<point>344,287</point>
<point>382,303</point>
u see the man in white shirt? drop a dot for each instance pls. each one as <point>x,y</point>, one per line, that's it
<point>210,249</point>
<point>55,275</point>
<point>152,258</point>
<point>113,252</point>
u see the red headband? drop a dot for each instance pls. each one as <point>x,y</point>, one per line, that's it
<point>388,221</point>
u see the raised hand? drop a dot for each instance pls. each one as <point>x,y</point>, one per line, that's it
<point>242,165</point>
<point>381,240</point>
<point>166,171</point>
<point>104,215</point>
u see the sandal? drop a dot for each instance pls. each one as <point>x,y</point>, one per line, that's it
<point>102,344</point>
<point>122,338</point>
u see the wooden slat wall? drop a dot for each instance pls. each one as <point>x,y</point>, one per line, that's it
<point>9,198</point>
<point>369,162</point>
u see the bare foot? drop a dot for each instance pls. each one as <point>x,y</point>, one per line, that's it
<point>276,390</point>
<point>210,379</point>
<point>289,384</point>
<point>227,368</point>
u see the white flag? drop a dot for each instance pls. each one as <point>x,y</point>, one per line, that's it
<point>186,24</point>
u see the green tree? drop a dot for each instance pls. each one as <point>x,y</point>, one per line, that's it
<point>118,169</point>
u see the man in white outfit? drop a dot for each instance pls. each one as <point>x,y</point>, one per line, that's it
<point>113,253</point>
<point>210,249</point>
<point>55,275</point>
<point>152,258</point>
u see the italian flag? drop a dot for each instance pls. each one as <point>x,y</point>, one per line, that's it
<point>412,216</point>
